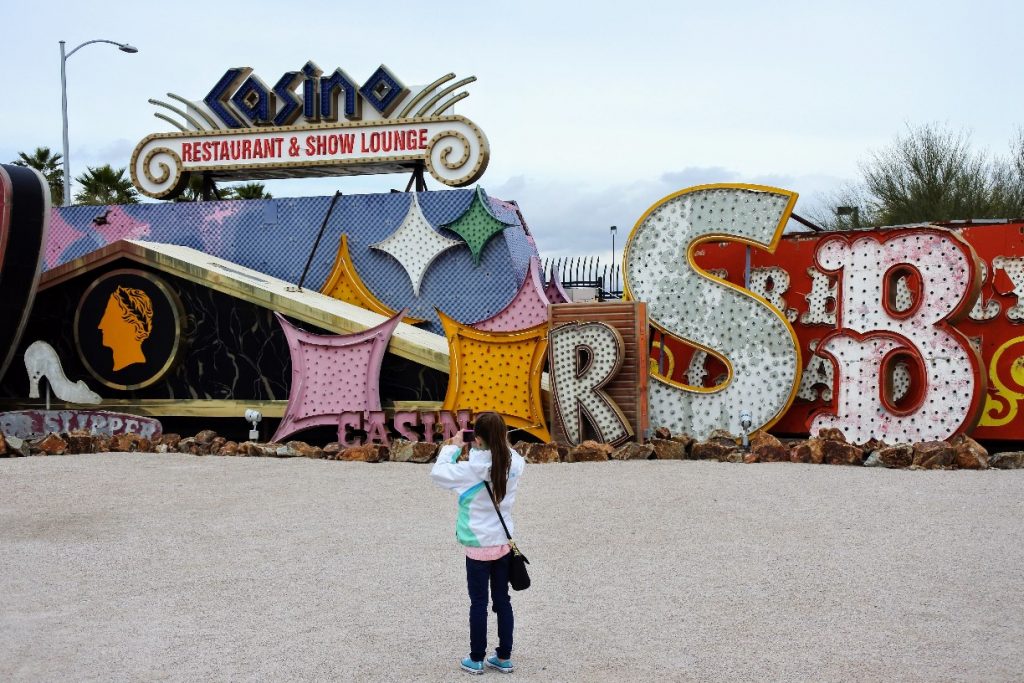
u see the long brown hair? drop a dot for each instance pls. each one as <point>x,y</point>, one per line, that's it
<point>491,429</point>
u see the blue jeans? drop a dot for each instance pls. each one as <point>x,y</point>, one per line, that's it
<point>478,574</point>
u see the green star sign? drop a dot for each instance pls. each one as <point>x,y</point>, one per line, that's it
<point>477,225</point>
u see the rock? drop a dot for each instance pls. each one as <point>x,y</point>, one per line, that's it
<point>766,448</point>
<point>895,457</point>
<point>684,439</point>
<point>540,453</point>
<point>216,444</point>
<point>668,449</point>
<point>51,444</point>
<point>636,451</point>
<point>252,449</point>
<point>662,433</point>
<point>720,445</point>
<point>160,448</point>
<point>816,450</point>
<point>563,453</point>
<point>228,448</point>
<point>933,455</point>
<point>819,451</point>
<point>722,434</point>
<point>286,450</point>
<point>400,450</point>
<point>590,451</point>
<point>268,450</point>
<point>832,434</point>
<point>101,443</point>
<point>303,449</point>
<point>171,441</point>
<point>1013,460</point>
<point>872,445</point>
<point>413,451</point>
<point>371,452</point>
<point>80,441</point>
<point>3,446</point>
<point>129,443</point>
<point>841,453</point>
<point>750,458</point>
<point>799,451</point>
<point>331,450</point>
<point>248,449</point>
<point>190,446</point>
<point>206,436</point>
<point>968,454</point>
<point>18,448</point>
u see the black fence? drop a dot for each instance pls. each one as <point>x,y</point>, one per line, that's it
<point>587,271</point>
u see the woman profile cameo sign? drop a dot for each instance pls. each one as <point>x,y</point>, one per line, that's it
<point>126,323</point>
<point>128,328</point>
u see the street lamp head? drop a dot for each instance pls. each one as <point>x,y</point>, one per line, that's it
<point>64,56</point>
<point>614,228</point>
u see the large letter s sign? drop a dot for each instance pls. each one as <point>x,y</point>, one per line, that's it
<point>753,339</point>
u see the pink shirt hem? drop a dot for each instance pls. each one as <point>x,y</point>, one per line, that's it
<point>487,552</point>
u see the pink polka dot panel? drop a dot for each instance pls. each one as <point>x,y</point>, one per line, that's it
<point>332,374</point>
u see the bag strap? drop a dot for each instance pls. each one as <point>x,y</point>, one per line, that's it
<point>500,518</point>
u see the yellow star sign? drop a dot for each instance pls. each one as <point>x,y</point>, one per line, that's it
<point>345,284</point>
<point>499,372</point>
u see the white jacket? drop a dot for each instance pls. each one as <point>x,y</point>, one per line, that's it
<point>477,523</point>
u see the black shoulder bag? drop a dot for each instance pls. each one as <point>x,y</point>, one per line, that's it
<point>518,577</point>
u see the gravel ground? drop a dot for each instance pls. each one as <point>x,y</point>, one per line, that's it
<point>172,567</point>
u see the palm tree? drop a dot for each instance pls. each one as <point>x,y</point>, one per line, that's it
<point>193,192</point>
<point>106,185</point>
<point>49,164</point>
<point>251,191</point>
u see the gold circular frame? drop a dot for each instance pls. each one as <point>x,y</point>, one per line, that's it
<point>177,309</point>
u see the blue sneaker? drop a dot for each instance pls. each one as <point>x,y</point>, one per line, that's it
<point>472,667</point>
<point>502,665</point>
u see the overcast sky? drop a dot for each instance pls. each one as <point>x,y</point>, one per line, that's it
<point>593,110</point>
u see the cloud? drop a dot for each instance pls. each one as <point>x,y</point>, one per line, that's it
<point>573,219</point>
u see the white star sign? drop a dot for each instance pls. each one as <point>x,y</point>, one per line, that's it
<point>415,244</point>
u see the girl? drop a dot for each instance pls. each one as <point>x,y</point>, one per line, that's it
<point>478,529</point>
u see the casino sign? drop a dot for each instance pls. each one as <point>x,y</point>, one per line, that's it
<point>308,124</point>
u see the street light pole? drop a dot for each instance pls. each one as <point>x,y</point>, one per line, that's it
<point>123,47</point>
<point>611,273</point>
<point>66,201</point>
